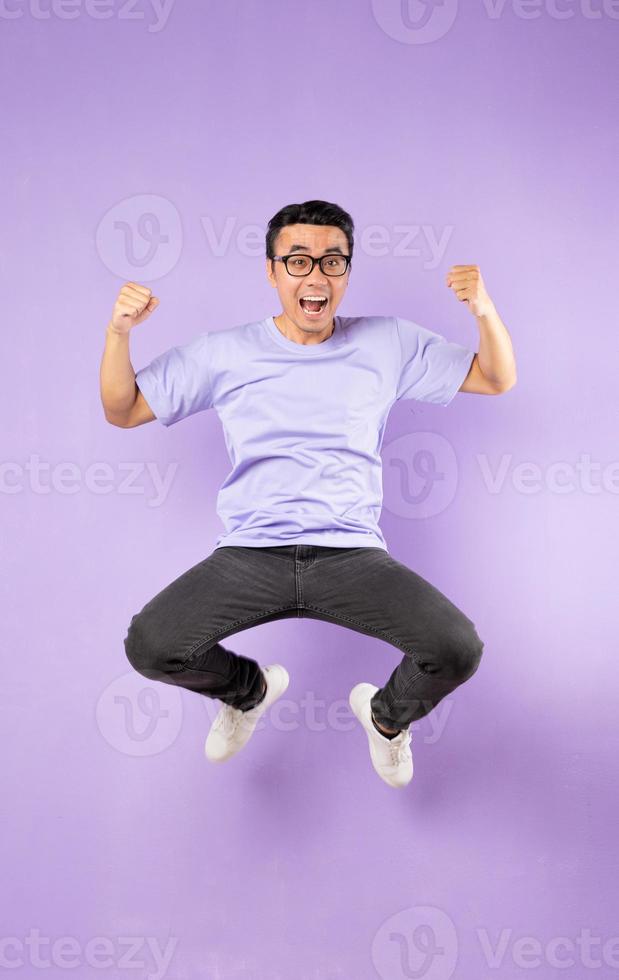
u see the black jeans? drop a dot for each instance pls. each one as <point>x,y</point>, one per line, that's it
<point>176,637</point>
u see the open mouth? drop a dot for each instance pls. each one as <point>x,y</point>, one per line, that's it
<point>313,306</point>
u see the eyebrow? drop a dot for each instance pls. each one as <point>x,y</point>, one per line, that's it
<point>302,248</point>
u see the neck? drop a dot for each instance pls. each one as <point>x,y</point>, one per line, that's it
<point>301,333</point>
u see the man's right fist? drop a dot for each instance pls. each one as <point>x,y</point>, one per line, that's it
<point>135,303</point>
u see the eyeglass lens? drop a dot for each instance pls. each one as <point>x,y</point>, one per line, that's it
<point>331,265</point>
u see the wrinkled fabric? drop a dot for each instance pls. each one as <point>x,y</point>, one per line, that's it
<point>304,423</point>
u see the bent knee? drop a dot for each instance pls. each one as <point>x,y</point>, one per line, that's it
<point>147,650</point>
<point>470,652</point>
<point>463,652</point>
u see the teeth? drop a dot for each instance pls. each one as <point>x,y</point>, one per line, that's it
<point>314,297</point>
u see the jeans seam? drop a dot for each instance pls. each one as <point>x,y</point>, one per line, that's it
<point>402,695</point>
<point>289,558</point>
<point>226,629</point>
<point>298,587</point>
<point>381,634</point>
<point>278,557</point>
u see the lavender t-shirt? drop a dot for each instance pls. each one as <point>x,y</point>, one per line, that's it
<point>303,424</point>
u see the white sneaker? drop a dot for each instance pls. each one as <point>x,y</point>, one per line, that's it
<point>233,728</point>
<point>391,757</point>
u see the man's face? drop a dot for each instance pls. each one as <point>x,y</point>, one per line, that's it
<point>314,240</point>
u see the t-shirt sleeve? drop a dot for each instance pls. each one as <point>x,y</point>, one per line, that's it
<point>177,383</point>
<point>431,367</point>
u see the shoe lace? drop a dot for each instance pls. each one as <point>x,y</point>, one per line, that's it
<point>400,750</point>
<point>228,719</point>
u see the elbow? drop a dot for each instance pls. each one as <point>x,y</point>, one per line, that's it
<point>118,421</point>
<point>502,388</point>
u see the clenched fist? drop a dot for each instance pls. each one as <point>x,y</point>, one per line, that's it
<point>135,304</point>
<point>468,285</point>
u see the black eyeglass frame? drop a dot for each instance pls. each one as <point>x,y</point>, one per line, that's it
<point>328,255</point>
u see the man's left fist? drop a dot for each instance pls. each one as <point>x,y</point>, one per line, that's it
<point>468,285</point>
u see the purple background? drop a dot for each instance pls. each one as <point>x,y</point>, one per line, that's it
<point>134,144</point>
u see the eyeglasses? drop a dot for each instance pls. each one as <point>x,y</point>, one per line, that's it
<point>298,264</point>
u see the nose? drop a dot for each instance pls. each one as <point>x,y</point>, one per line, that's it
<point>317,278</point>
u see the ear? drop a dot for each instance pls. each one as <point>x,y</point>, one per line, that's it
<point>270,273</point>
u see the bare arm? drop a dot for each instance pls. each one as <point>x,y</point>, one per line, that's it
<point>123,403</point>
<point>493,369</point>
<point>495,358</point>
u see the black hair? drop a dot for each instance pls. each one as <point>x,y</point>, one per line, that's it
<point>310,213</point>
